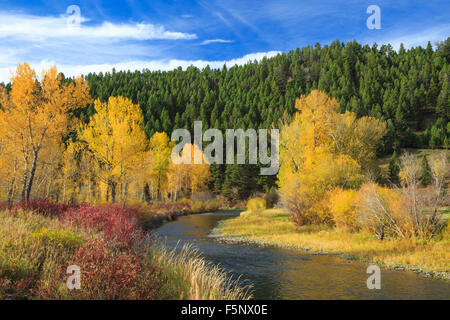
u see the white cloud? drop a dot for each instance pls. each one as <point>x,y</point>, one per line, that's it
<point>414,39</point>
<point>39,29</point>
<point>163,65</point>
<point>215,41</point>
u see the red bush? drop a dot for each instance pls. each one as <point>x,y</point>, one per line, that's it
<point>3,205</point>
<point>117,223</point>
<point>43,207</point>
<point>110,274</point>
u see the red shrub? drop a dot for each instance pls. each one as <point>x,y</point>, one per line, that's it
<point>3,205</point>
<point>43,207</point>
<point>115,222</point>
<point>110,274</point>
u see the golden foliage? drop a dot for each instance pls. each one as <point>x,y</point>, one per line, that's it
<point>342,204</point>
<point>116,140</point>
<point>33,119</point>
<point>189,177</point>
<point>322,149</point>
<point>256,205</point>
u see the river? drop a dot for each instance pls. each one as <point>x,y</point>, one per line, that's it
<point>278,273</point>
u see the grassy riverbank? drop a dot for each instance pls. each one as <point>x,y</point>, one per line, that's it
<point>273,227</point>
<point>117,259</point>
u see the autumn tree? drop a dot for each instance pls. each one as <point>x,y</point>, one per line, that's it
<point>198,174</point>
<point>34,116</point>
<point>409,211</point>
<point>115,138</point>
<point>320,150</point>
<point>189,178</point>
<point>160,148</point>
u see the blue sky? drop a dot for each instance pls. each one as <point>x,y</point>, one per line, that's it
<point>161,35</point>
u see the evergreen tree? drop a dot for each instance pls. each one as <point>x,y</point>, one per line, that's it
<point>394,168</point>
<point>400,88</point>
<point>425,176</point>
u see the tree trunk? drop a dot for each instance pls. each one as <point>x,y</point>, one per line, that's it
<point>11,193</point>
<point>24,185</point>
<point>31,178</point>
<point>113,192</point>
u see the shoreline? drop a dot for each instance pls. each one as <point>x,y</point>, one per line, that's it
<point>159,221</point>
<point>236,238</point>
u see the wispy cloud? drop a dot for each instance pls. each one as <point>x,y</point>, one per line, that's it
<point>412,38</point>
<point>216,41</point>
<point>163,65</point>
<point>39,29</point>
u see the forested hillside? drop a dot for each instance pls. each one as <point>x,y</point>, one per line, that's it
<point>408,89</point>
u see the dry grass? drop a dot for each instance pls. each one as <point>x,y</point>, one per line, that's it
<point>273,226</point>
<point>33,248</point>
<point>26,259</point>
<point>194,278</point>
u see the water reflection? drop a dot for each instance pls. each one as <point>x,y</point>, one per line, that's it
<point>289,274</point>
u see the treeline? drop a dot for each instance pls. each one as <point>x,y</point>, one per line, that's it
<point>408,89</point>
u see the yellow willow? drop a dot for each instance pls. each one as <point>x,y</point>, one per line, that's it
<point>321,150</point>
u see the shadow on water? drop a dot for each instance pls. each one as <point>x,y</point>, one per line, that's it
<point>291,274</point>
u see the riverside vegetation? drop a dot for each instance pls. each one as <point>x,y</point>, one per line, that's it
<point>332,202</point>
<point>97,150</point>
<point>118,260</point>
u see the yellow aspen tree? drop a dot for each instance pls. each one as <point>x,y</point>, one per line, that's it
<point>191,177</point>
<point>115,138</point>
<point>35,113</point>
<point>160,148</point>
<point>199,174</point>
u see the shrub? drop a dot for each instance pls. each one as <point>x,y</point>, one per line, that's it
<point>212,204</point>
<point>379,210</point>
<point>43,207</point>
<point>61,239</point>
<point>198,206</point>
<point>342,207</point>
<point>108,273</point>
<point>256,204</point>
<point>116,223</point>
<point>151,216</point>
<point>392,213</point>
<point>271,198</point>
<point>205,206</point>
<point>3,205</point>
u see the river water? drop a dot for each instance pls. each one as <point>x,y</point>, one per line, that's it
<point>292,274</point>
